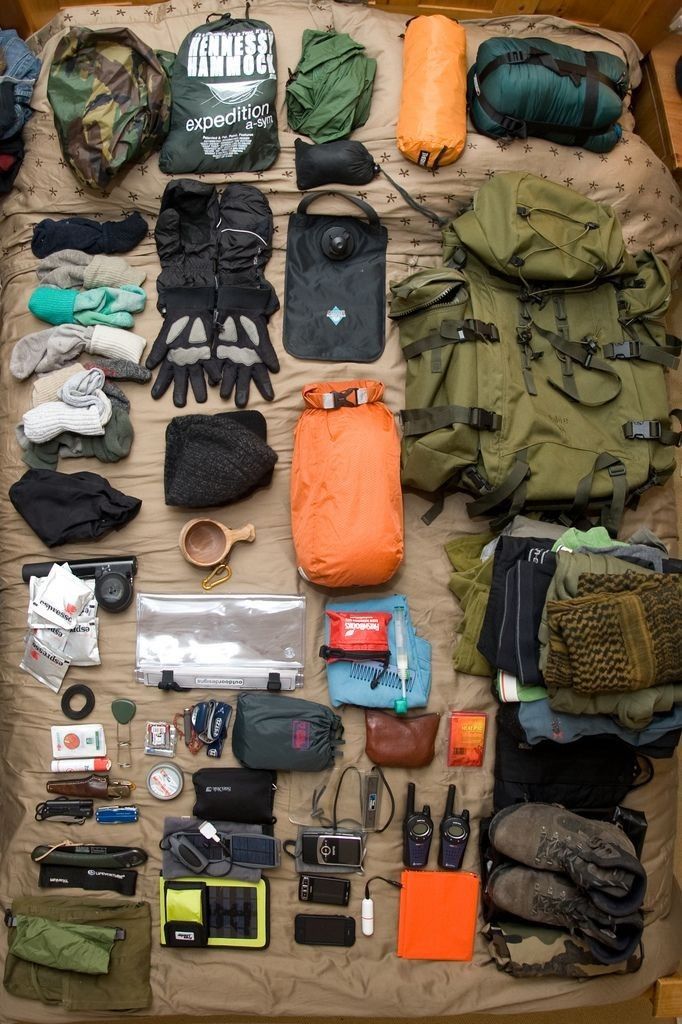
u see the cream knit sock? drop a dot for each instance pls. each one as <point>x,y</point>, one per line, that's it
<point>46,387</point>
<point>113,341</point>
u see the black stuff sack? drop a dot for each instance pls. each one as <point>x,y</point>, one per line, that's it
<point>343,162</point>
<point>234,794</point>
<point>335,287</point>
<point>224,90</point>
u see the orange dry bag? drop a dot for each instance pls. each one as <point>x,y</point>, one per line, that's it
<point>432,124</point>
<point>346,502</point>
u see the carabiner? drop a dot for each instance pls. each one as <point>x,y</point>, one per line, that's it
<point>214,580</point>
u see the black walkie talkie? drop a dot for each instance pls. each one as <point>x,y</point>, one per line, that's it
<point>417,832</point>
<point>454,834</point>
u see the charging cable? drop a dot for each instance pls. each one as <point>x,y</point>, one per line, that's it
<point>367,911</point>
<point>209,831</point>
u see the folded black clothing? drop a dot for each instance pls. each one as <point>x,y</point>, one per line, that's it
<point>525,593</point>
<point>90,236</point>
<point>214,460</point>
<point>64,507</point>
<point>509,551</point>
<point>7,113</point>
<point>12,152</point>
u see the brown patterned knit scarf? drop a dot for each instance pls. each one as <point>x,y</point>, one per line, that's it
<point>622,634</point>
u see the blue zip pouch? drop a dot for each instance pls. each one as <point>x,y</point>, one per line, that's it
<point>350,682</point>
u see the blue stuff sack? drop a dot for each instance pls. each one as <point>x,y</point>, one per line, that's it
<point>350,681</point>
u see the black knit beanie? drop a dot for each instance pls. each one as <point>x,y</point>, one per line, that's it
<point>214,460</point>
<point>88,235</point>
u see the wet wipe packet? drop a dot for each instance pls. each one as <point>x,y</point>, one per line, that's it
<point>44,663</point>
<point>58,599</point>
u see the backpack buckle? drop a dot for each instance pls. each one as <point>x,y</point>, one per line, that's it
<point>513,126</point>
<point>515,57</point>
<point>483,419</point>
<point>591,349</point>
<point>337,399</point>
<point>642,430</point>
<point>623,350</point>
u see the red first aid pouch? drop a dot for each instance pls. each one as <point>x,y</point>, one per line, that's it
<point>357,636</point>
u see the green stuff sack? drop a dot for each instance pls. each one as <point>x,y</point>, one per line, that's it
<point>522,87</point>
<point>111,100</point>
<point>330,92</point>
<point>224,116</point>
<point>284,733</point>
<point>79,954</point>
<point>68,947</point>
<point>536,359</point>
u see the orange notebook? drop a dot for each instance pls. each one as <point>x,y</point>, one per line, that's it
<point>438,911</point>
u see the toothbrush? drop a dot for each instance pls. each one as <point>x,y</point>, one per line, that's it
<point>400,704</point>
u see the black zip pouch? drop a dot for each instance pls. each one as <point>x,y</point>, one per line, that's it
<point>235,794</point>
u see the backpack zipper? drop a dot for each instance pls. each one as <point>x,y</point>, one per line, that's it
<point>442,297</point>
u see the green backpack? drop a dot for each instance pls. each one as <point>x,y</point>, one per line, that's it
<point>536,358</point>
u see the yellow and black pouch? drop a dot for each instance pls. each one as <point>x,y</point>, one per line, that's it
<point>222,912</point>
<point>184,912</point>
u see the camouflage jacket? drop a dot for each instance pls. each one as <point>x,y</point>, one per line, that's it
<point>110,95</point>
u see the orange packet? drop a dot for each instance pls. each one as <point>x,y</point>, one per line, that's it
<point>466,739</point>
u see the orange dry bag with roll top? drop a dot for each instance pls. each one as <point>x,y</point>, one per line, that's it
<point>346,501</point>
<point>432,124</point>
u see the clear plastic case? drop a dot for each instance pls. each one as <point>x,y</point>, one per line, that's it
<point>235,642</point>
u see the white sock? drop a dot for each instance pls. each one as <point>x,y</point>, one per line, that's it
<point>113,341</point>
<point>51,418</point>
<point>82,388</point>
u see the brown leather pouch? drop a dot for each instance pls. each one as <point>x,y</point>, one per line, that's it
<point>394,741</point>
<point>92,785</point>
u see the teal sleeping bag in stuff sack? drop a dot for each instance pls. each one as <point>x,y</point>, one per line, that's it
<point>522,87</point>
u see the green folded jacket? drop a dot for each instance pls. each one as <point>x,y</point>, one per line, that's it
<point>470,583</point>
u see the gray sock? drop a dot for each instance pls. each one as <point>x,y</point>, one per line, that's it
<point>44,351</point>
<point>118,369</point>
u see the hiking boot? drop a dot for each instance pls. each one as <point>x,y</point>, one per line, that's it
<point>548,898</point>
<point>596,855</point>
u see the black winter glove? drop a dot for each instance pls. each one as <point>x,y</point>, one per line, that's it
<point>246,301</point>
<point>187,241</point>
<point>243,346</point>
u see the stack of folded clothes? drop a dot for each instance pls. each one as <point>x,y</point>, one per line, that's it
<point>578,620</point>
<point>19,69</point>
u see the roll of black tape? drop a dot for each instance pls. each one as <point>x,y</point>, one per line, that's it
<point>78,690</point>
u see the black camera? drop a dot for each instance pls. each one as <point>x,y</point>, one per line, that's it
<point>113,577</point>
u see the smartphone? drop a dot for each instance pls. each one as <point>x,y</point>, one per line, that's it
<point>324,930</point>
<point>332,848</point>
<point>324,889</point>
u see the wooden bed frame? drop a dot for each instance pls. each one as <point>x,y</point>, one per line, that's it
<point>646,21</point>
